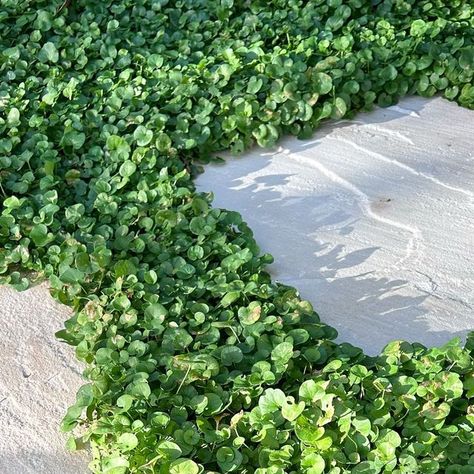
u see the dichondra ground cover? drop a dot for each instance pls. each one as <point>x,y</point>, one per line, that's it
<point>196,360</point>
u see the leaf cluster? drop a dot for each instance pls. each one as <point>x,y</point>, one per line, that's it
<point>196,361</point>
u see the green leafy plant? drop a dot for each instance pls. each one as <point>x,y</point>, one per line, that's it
<point>196,361</point>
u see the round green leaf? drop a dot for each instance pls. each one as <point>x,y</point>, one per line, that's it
<point>127,169</point>
<point>127,442</point>
<point>184,466</point>
<point>48,53</point>
<point>142,135</point>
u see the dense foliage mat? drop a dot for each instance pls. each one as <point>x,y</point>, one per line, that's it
<point>197,361</point>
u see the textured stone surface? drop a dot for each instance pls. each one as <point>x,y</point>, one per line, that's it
<point>372,220</point>
<point>39,377</point>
